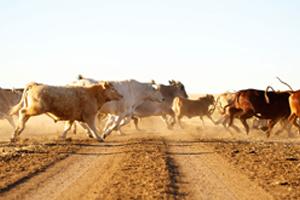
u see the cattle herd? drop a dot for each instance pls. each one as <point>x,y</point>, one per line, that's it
<point>88,101</point>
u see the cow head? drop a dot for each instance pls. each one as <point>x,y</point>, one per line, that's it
<point>210,99</point>
<point>110,92</point>
<point>180,89</point>
<point>154,93</point>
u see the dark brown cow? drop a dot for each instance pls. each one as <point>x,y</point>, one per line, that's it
<point>273,106</point>
<point>193,108</point>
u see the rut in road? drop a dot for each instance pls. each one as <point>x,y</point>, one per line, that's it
<point>154,165</point>
<point>132,169</point>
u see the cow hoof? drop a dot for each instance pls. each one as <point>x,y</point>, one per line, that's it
<point>13,140</point>
<point>100,139</point>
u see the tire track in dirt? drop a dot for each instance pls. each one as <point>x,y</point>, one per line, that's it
<point>148,165</point>
<point>127,169</point>
<point>207,175</point>
<point>146,173</point>
<point>68,173</point>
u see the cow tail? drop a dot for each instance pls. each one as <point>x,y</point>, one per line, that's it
<point>175,104</point>
<point>15,109</point>
<point>266,93</point>
<point>22,102</point>
<point>225,107</point>
<point>236,100</point>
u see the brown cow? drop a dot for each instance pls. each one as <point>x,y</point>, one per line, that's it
<point>64,103</point>
<point>193,108</point>
<point>294,102</point>
<point>252,102</point>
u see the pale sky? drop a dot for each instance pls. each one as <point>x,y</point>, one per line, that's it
<point>209,45</point>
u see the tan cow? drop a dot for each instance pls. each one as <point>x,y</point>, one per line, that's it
<point>193,108</point>
<point>223,103</point>
<point>8,99</point>
<point>64,103</point>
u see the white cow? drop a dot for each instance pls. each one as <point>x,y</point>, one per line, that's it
<point>164,109</point>
<point>121,111</point>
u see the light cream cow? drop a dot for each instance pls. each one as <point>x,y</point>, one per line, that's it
<point>64,103</point>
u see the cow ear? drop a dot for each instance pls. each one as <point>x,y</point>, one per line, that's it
<point>107,84</point>
<point>80,77</point>
<point>172,82</point>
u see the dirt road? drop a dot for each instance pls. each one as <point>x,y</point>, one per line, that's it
<point>140,165</point>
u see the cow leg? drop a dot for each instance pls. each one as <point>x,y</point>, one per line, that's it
<point>243,118</point>
<point>100,120</point>
<point>136,123</point>
<point>90,121</point>
<point>67,127</point>
<point>23,118</point>
<point>125,121</point>
<point>115,124</point>
<point>230,119</point>
<point>109,122</point>
<point>173,121</point>
<point>169,118</point>
<point>233,113</point>
<point>211,119</point>
<point>165,119</point>
<point>203,124</point>
<point>87,129</point>
<point>293,119</point>
<point>178,120</point>
<point>271,124</point>
<point>245,124</point>
<point>74,128</point>
<point>284,126</point>
<point>10,121</point>
<point>110,125</point>
<point>225,120</point>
